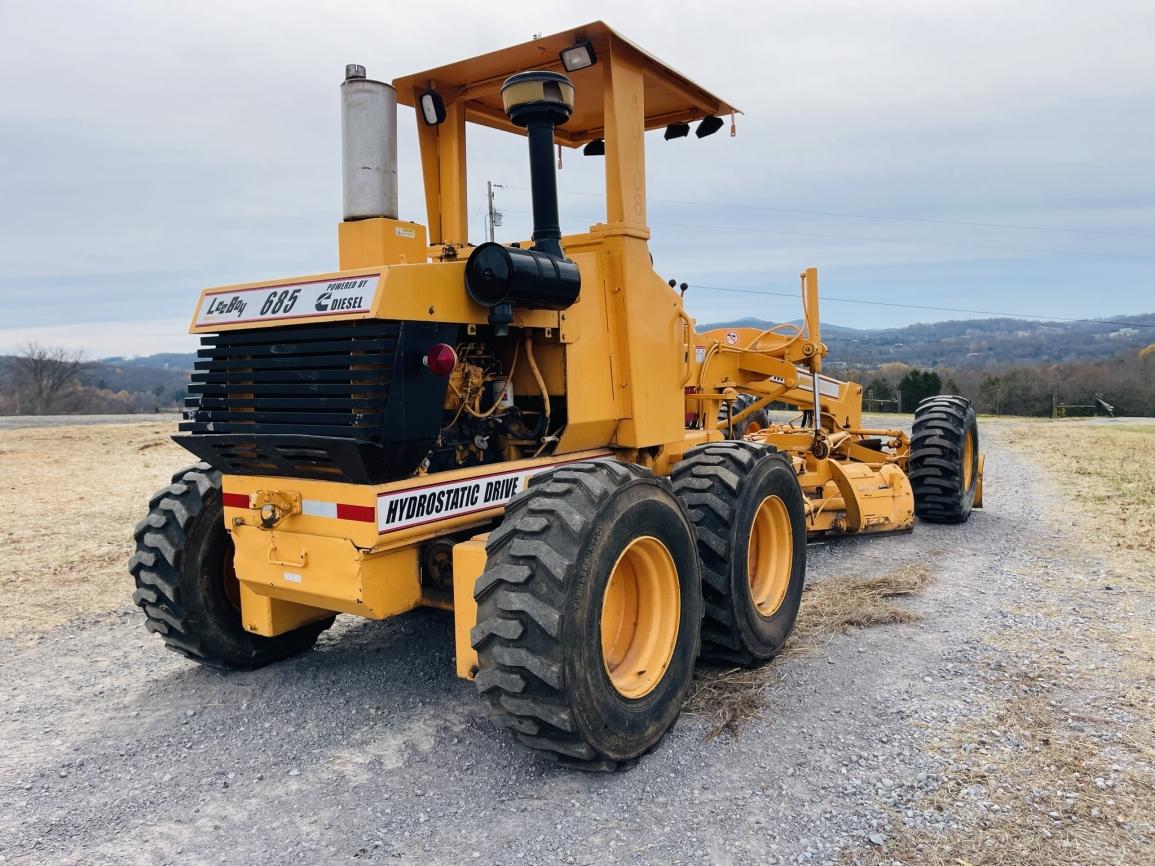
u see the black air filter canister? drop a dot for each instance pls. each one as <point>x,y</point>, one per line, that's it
<point>497,275</point>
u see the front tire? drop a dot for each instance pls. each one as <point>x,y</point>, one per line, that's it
<point>185,583</point>
<point>748,515</point>
<point>752,423</point>
<point>588,614</point>
<point>943,465</point>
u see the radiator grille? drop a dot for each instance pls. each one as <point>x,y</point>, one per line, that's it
<point>307,401</point>
<point>317,380</point>
<point>344,401</point>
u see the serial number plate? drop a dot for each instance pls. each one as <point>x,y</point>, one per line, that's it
<point>289,301</point>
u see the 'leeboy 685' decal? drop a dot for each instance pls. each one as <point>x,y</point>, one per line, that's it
<point>405,508</point>
<point>289,301</point>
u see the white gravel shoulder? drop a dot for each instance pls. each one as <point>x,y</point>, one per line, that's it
<point>15,422</point>
<point>114,751</point>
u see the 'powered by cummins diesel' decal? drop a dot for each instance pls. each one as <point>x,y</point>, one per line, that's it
<point>289,301</point>
<point>403,509</point>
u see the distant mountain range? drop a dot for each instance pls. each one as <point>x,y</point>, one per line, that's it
<point>978,342</point>
<point>970,343</point>
<point>164,361</point>
<point>158,382</point>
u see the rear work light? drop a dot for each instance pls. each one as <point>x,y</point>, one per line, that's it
<point>580,55</point>
<point>432,108</point>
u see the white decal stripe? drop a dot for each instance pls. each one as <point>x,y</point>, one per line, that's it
<point>316,508</point>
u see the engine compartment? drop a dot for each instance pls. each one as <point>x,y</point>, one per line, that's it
<point>358,402</point>
<point>489,415</point>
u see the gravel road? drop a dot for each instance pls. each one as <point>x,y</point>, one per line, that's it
<point>115,751</point>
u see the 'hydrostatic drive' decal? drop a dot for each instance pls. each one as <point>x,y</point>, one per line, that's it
<point>403,509</point>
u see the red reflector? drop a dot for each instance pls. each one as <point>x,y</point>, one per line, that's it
<point>364,513</point>
<point>235,500</point>
<point>441,360</point>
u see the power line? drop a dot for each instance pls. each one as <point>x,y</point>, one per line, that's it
<point>876,240</point>
<point>902,219</point>
<point>901,241</point>
<point>825,298</point>
<point>879,217</point>
<point>896,241</point>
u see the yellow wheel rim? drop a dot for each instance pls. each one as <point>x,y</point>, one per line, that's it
<point>641,609</point>
<point>968,460</point>
<point>753,427</point>
<point>771,555</point>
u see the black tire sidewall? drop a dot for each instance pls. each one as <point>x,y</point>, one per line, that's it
<point>202,587</point>
<point>210,613</point>
<point>618,727</point>
<point>764,636</point>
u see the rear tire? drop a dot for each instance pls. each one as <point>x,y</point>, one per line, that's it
<point>748,516</point>
<point>943,465</point>
<point>588,614</point>
<point>185,583</point>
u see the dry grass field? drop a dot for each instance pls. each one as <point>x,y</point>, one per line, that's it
<point>1110,471</point>
<point>1053,768</point>
<point>69,498</point>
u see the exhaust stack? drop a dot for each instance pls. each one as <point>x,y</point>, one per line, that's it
<point>368,146</point>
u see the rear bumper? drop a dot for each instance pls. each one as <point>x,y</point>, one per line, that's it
<point>330,546</point>
<point>325,574</point>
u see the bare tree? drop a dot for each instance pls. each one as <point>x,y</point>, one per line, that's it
<point>47,379</point>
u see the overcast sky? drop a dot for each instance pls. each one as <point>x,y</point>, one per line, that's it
<point>148,149</point>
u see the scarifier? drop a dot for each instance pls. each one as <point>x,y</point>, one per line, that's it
<point>533,435</point>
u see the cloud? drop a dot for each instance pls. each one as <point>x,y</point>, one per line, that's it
<point>126,339</point>
<point>150,149</point>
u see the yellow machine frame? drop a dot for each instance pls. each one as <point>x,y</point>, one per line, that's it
<point>626,356</point>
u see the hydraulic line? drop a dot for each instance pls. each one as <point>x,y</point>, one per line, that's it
<point>537,375</point>
<point>508,385</point>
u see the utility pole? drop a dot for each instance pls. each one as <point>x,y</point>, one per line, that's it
<point>493,217</point>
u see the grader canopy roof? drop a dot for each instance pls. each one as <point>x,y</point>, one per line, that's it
<point>670,97</point>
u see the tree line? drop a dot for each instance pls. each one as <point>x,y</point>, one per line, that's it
<point>45,380</point>
<point>1126,382</point>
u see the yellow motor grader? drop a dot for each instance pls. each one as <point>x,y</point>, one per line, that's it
<point>532,435</point>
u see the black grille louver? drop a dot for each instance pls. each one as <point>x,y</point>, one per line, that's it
<point>339,401</point>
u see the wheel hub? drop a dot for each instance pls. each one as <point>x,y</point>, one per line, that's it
<point>640,612</point>
<point>770,555</point>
